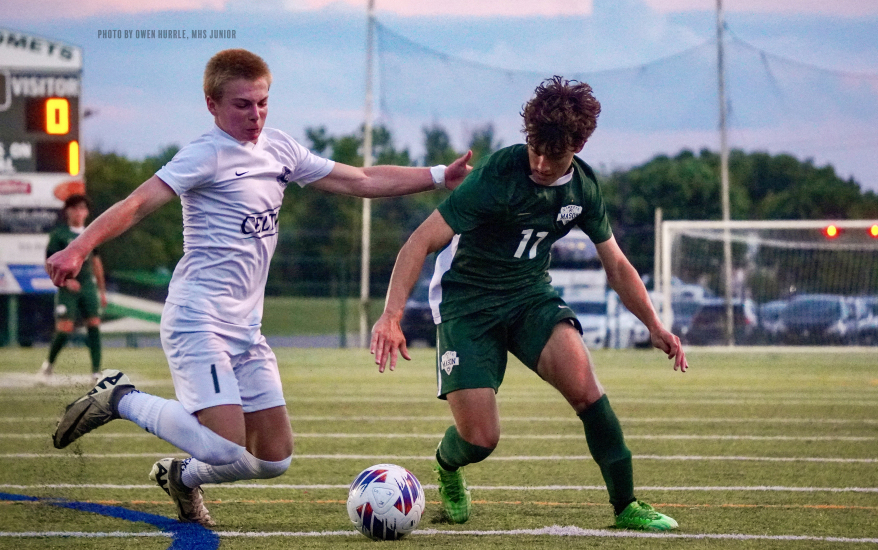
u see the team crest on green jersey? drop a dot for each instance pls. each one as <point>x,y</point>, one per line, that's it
<point>568,213</point>
<point>448,361</point>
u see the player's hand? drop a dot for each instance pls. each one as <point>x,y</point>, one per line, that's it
<point>63,267</point>
<point>388,342</point>
<point>72,285</point>
<point>670,344</point>
<point>458,170</point>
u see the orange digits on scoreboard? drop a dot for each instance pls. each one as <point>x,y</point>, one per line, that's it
<point>73,158</point>
<point>57,116</point>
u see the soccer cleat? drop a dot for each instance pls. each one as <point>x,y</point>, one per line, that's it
<point>167,473</point>
<point>47,369</point>
<point>456,499</point>
<point>95,376</point>
<point>94,409</point>
<point>640,515</point>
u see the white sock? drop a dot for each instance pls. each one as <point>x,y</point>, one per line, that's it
<point>196,473</point>
<point>168,419</point>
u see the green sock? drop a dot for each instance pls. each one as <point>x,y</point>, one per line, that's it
<point>93,341</point>
<point>455,452</point>
<point>57,343</point>
<point>603,433</point>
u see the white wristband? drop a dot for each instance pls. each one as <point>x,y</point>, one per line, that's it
<point>438,173</point>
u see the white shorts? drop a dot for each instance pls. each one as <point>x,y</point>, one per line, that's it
<point>215,363</point>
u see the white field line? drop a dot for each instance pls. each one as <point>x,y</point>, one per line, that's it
<point>540,437</point>
<point>551,419</point>
<point>553,531</point>
<point>370,400</point>
<point>567,419</point>
<point>83,534</point>
<point>381,458</point>
<point>315,487</point>
<point>822,401</point>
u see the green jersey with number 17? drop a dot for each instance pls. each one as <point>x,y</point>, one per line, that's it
<point>504,226</point>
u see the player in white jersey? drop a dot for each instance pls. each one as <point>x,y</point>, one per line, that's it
<point>230,414</point>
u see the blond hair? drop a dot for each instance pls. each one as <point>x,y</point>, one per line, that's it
<point>229,65</point>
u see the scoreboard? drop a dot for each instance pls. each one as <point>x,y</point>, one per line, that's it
<point>41,162</point>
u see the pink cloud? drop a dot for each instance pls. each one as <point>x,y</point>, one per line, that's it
<point>836,7</point>
<point>86,8</point>
<point>480,8</point>
<point>585,7</point>
<point>28,9</point>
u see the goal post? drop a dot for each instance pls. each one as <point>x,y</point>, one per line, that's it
<point>773,261</point>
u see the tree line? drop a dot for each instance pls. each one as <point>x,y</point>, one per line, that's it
<point>318,250</point>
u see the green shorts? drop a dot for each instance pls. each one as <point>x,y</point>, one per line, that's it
<point>471,350</point>
<point>86,303</point>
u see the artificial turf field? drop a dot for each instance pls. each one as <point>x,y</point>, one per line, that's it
<point>746,450</point>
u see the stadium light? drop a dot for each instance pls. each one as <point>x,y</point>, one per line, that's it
<point>873,231</point>
<point>831,231</point>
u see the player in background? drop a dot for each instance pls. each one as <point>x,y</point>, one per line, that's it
<point>491,293</point>
<point>84,296</point>
<point>230,414</point>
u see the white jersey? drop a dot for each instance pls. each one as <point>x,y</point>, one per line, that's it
<point>231,194</point>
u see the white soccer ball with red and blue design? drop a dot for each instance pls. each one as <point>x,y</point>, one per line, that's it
<point>386,502</point>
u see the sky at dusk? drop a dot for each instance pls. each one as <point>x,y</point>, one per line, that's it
<point>802,74</point>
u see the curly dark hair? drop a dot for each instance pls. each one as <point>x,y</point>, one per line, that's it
<point>560,117</point>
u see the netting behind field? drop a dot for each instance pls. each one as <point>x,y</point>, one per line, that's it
<point>831,280</point>
<point>770,264</point>
<point>419,86</point>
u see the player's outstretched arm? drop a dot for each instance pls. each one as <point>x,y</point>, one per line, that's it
<point>623,278</point>
<point>98,268</point>
<point>389,181</point>
<point>388,340</point>
<point>150,195</point>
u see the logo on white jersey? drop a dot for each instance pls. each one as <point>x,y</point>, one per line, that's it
<point>568,213</point>
<point>284,176</point>
<point>448,361</point>
<point>261,224</point>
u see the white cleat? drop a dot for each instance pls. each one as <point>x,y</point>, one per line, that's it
<point>167,473</point>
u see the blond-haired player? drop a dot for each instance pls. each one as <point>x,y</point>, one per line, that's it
<point>230,414</point>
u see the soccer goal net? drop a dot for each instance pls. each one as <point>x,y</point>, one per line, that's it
<point>778,282</point>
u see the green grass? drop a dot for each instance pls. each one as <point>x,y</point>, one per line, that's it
<point>287,315</point>
<point>734,421</point>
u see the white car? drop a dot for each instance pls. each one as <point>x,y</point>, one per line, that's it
<point>591,312</point>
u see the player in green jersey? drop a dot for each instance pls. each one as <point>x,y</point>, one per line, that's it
<point>85,296</point>
<point>491,294</point>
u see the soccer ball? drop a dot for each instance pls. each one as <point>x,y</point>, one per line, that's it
<point>386,502</point>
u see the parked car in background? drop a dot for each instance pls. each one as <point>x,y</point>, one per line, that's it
<point>686,298</point>
<point>639,337</point>
<point>866,312</point>
<point>591,307</point>
<point>683,310</point>
<point>819,319</point>
<point>605,321</point>
<point>708,327</point>
<point>770,321</point>
<point>417,319</point>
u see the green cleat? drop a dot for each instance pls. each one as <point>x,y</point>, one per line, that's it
<point>456,499</point>
<point>642,516</point>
